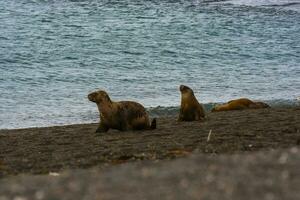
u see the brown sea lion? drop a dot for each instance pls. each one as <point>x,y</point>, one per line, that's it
<point>190,108</point>
<point>240,104</point>
<point>122,115</point>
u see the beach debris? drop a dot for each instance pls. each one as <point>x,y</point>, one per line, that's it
<point>184,183</point>
<point>19,198</point>
<point>209,134</point>
<point>39,195</point>
<point>285,174</point>
<point>147,172</point>
<point>283,158</point>
<point>294,150</point>
<point>53,174</point>
<point>2,166</point>
<point>179,152</point>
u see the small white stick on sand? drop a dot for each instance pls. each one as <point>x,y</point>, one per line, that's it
<point>53,174</point>
<point>208,137</point>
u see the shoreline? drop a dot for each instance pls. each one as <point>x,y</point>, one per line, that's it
<point>165,111</point>
<point>259,175</point>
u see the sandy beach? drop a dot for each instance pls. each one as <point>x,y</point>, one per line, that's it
<point>79,154</point>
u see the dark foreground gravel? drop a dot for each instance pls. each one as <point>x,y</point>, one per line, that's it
<point>263,175</point>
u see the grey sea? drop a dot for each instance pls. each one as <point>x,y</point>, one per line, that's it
<point>54,52</point>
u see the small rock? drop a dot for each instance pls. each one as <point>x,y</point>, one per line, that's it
<point>283,158</point>
<point>3,198</point>
<point>39,195</point>
<point>294,150</point>
<point>20,198</point>
<point>184,183</point>
<point>285,174</point>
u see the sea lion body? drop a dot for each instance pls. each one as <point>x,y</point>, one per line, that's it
<point>122,115</point>
<point>240,104</point>
<point>190,108</point>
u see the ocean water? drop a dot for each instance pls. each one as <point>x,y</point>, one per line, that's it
<point>53,53</point>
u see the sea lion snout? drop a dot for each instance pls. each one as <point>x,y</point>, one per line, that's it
<point>99,96</point>
<point>183,88</point>
<point>92,96</point>
<point>260,104</point>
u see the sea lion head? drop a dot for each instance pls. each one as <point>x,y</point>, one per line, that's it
<point>260,104</point>
<point>99,97</point>
<point>185,90</point>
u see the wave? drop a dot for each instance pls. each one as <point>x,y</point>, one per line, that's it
<point>286,4</point>
<point>271,3</point>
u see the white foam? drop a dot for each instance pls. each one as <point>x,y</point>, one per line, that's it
<point>265,2</point>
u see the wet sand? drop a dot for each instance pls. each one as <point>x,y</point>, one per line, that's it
<point>239,153</point>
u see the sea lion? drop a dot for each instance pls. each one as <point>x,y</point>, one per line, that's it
<point>122,115</point>
<point>240,104</point>
<point>190,108</point>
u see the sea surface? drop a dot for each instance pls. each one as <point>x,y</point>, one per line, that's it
<point>54,52</point>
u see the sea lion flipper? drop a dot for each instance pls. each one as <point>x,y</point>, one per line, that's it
<point>180,117</point>
<point>198,116</point>
<point>153,124</point>
<point>102,128</point>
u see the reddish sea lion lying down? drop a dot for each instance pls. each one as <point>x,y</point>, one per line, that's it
<point>122,115</point>
<point>240,104</point>
<point>190,108</point>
